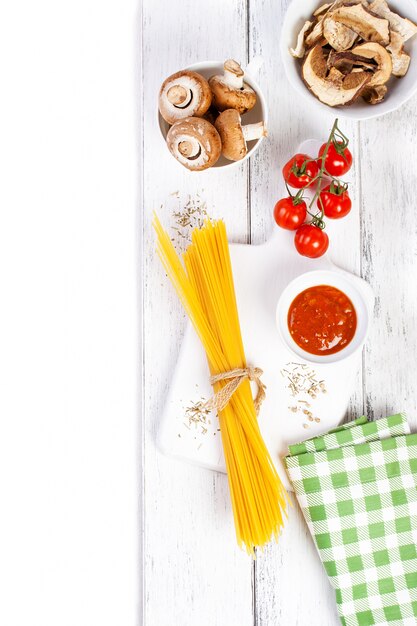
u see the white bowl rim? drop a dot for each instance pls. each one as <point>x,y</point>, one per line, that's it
<point>363,112</point>
<point>205,65</point>
<point>341,280</point>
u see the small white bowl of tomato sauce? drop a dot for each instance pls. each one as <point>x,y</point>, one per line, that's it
<point>323,316</point>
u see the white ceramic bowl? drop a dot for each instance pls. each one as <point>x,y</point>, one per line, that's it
<point>399,89</point>
<point>323,277</point>
<point>259,112</point>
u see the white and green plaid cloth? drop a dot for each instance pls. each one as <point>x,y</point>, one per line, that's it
<point>357,488</point>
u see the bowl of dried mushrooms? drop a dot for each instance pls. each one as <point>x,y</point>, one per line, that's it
<point>356,56</point>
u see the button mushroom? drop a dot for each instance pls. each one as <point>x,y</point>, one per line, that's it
<point>230,91</point>
<point>376,52</point>
<point>195,143</point>
<point>333,87</point>
<point>234,136</point>
<point>184,94</point>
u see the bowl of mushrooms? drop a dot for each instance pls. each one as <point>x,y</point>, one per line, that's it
<point>359,56</point>
<point>211,115</point>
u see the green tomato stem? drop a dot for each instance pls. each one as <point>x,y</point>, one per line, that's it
<point>317,218</point>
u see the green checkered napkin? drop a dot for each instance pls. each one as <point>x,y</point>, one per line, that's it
<point>356,486</point>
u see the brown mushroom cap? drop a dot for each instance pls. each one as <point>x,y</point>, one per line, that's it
<point>229,91</point>
<point>333,87</point>
<point>184,94</point>
<point>195,143</point>
<point>229,127</point>
<point>234,136</point>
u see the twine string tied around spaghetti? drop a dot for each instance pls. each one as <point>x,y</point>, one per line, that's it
<point>235,377</point>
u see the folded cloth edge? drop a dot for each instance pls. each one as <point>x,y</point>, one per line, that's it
<point>352,433</point>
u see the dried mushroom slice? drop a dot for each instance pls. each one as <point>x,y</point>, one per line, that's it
<point>360,20</point>
<point>400,59</point>
<point>339,36</point>
<point>382,58</point>
<point>299,50</point>
<point>374,95</point>
<point>323,9</point>
<point>316,33</point>
<point>402,25</point>
<point>356,80</point>
<point>347,62</point>
<point>332,88</point>
<point>349,3</point>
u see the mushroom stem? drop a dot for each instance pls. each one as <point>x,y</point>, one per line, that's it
<point>189,148</point>
<point>179,96</point>
<point>254,131</point>
<point>186,148</point>
<point>233,74</point>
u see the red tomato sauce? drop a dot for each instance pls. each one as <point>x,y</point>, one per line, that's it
<point>322,320</point>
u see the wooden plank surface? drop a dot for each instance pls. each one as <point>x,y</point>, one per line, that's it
<point>389,259</point>
<point>291,569</point>
<point>193,572</point>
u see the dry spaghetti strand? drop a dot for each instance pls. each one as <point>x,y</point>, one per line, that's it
<point>205,286</point>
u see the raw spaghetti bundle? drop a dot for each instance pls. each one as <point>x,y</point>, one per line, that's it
<point>205,286</point>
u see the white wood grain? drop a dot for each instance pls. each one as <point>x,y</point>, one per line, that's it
<point>389,260</point>
<point>194,573</point>
<point>291,569</point>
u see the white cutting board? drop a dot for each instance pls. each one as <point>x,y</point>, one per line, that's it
<point>260,274</point>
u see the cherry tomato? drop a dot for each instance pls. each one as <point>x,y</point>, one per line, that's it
<point>289,215</point>
<point>311,241</point>
<point>297,173</point>
<point>334,201</point>
<point>338,160</point>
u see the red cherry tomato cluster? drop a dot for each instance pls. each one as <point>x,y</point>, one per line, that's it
<point>331,197</point>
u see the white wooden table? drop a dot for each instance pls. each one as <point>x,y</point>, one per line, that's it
<point>194,573</point>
